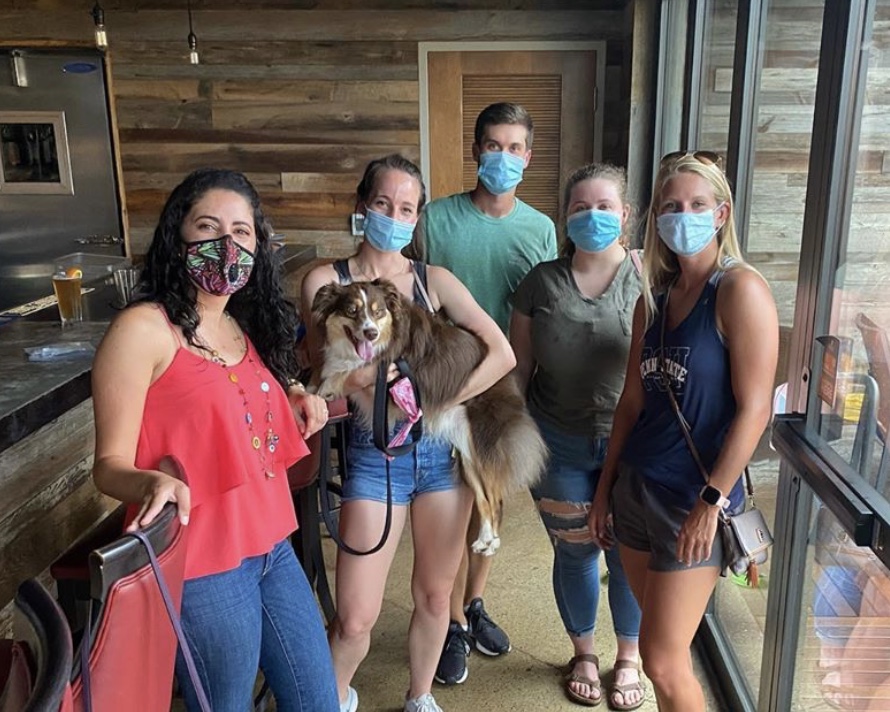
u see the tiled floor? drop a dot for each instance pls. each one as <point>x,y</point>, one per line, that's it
<point>520,598</point>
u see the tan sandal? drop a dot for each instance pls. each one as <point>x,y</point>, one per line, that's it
<point>615,688</point>
<point>595,685</point>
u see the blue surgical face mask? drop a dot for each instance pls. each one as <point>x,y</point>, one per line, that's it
<point>386,233</point>
<point>687,234</point>
<point>593,230</point>
<point>500,171</point>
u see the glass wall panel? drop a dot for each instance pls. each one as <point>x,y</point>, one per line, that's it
<point>785,100</point>
<point>856,412</point>
<point>843,658</point>
<point>716,75</point>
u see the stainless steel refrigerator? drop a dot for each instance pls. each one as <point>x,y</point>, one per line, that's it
<point>58,182</point>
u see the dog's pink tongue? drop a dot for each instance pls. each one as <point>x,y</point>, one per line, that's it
<point>365,350</point>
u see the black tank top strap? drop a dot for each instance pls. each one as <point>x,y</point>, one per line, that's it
<point>421,290</point>
<point>341,267</point>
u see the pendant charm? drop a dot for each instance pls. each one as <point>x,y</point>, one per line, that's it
<point>256,443</point>
<point>270,475</point>
<point>264,387</point>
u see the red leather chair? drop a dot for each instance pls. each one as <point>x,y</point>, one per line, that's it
<point>132,645</point>
<point>35,667</point>
<point>71,570</point>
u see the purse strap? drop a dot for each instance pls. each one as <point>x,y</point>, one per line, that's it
<point>86,644</point>
<point>684,425</point>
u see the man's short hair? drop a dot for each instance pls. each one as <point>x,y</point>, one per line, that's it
<point>504,113</point>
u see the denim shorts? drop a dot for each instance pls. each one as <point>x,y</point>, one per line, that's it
<point>429,467</point>
<point>646,520</point>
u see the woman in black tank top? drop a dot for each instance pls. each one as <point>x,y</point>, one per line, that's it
<point>391,195</point>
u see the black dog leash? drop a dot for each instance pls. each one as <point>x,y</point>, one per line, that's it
<point>380,431</point>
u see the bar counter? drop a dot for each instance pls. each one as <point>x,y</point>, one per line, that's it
<point>47,498</point>
<point>35,393</point>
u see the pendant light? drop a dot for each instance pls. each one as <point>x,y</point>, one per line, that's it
<point>19,71</point>
<point>99,21</point>
<point>192,38</point>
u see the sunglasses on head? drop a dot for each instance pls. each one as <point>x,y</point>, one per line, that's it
<point>709,158</point>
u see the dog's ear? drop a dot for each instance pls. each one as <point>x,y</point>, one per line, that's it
<point>325,299</point>
<point>391,295</point>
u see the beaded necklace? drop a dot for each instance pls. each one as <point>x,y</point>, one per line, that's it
<point>270,441</point>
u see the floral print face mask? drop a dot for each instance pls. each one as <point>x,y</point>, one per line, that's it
<point>219,266</point>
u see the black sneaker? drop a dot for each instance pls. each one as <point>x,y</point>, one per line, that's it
<point>452,668</point>
<point>486,634</point>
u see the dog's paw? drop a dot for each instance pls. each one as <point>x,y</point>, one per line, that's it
<point>488,542</point>
<point>486,548</point>
<point>327,391</point>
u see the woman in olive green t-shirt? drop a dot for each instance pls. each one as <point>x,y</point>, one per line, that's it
<point>570,331</point>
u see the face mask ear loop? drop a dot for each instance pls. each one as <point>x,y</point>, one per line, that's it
<point>723,224</point>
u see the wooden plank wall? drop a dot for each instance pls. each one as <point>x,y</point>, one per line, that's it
<point>299,95</point>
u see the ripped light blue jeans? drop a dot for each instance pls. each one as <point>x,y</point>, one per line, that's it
<point>563,498</point>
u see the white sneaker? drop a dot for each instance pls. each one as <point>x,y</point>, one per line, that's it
<point>424,703</point>
<point>350,704</point>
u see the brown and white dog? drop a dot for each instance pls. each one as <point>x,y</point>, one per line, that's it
<point>500,447</point>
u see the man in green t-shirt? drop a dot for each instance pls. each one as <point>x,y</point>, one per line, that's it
<point>490,240</point>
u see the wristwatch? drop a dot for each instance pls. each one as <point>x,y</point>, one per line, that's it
<point>713,497</point>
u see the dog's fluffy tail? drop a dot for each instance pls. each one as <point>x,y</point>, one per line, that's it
<point>508,445</point>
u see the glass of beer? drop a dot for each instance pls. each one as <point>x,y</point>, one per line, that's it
<point>66,285</point>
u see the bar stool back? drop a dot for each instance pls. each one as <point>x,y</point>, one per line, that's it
<point>132,645</point>
<point>36,665</point>
<point>308,479</point>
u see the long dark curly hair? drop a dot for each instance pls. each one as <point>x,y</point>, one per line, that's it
<point>260,307</point>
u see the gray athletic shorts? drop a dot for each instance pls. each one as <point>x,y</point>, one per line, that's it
<point>645,522</point>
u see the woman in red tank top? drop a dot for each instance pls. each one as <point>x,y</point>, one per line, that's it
<point>202,366</point>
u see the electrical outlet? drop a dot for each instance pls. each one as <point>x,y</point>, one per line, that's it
<point>357,224</point>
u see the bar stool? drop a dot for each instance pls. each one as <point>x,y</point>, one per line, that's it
<point>309,479</point>
<point>36,665</point>
<point>132,643</point>
<point>71,572</point>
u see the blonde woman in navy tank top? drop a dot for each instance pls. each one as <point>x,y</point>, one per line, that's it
<point>720,354</point>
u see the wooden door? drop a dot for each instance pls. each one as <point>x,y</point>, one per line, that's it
<point>557,88</point>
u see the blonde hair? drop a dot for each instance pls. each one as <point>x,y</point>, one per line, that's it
<point>660,264</point>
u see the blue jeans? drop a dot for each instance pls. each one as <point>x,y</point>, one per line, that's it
<point>563,498</point>
<point>429,467</point>
<point>261,615</point>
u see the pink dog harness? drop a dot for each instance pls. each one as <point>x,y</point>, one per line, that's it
<point>402,392</point>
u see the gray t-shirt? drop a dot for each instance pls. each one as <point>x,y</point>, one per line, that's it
<point>580,345</point>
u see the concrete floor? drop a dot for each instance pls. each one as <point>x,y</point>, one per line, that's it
<point>520,599</point>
